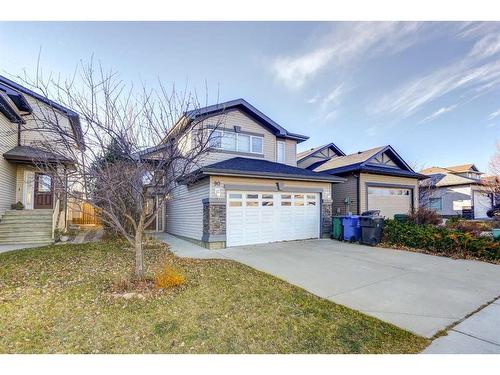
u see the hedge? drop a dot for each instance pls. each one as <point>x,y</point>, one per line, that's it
<point>441,240</point>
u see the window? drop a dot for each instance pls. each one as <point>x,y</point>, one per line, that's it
<point>267,203</point>
<point>311,203</point>
<point>285,203</point>
<point>257,145</point>
<point>215,139</point>
<point>235,204</point>
<point>230,141</point>
<point>286,196</point>
<point>252,203</point>
<point>436,204</point>
<point>243,143</point>
<point>44,183</point>
<point>235,196</point>
<point>280,152</point>
<point>267,196</point>
<point>252,196</point>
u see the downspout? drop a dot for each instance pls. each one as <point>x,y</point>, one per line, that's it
<point>358,202</point>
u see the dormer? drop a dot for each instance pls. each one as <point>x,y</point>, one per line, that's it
<point>314,157</point>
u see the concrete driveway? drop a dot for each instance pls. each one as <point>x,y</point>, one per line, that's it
<point>421,293</point>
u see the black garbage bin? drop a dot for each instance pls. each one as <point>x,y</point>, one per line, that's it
<point>371,230</point>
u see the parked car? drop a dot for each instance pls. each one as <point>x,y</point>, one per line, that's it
<point>494,212</point>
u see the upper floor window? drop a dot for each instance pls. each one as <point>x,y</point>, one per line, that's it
<point>230,141</point>
<point>280,152</point>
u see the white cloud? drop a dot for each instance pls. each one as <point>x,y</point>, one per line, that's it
<point>439,112</point>
<point>494,115</point>
<point>476,73</point>
<point>313,99</point>
<point>348,42</point>
<point>333,98</point>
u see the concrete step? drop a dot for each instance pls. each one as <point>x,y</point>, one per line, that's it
<point>26,219</point>
<point>13,226</point>
<point>28,213</point>
<point>31,233</point>
<point>22,242</point>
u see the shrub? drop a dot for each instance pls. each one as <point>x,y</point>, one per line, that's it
<point>440,240</point>
<point>423,215</point>
<point>473,227</point>
<point>17,206</point>
<point>169,277</point>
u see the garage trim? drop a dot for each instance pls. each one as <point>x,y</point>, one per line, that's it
<point>394,186</point>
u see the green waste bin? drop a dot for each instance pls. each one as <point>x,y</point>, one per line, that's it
<point>337,231</point>
<point>401,218</point>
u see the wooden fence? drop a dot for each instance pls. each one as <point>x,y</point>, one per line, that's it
<point>84,213</point>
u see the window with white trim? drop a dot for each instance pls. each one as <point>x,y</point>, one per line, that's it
<point>231,141</point>
<point>280,152</point>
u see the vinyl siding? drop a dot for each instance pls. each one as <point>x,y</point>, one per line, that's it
<point>340,192</point>
<point>32,133</point>
<point>392,180</point>
<point>8,134</point>
<point>462,195</point>
<point>237,118</point>
<point>184,213</point>
<point>223,180</point>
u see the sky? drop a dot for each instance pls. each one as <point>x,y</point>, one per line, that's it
<point>431,90</point>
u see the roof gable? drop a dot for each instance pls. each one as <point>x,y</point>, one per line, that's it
<point>249,110</point>
<point>320,151</point>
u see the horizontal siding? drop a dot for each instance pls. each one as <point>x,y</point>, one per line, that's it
<point>221,181</point>
<point>340,192</point>
<point>8,136</point>
<point>366,177</point>
<point>184,212</point>
<point>237,118</point>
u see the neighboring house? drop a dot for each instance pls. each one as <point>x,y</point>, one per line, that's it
<point>376,179</point>
<point>21,154</point>
<point>456,191</point>
<point>248,188</point>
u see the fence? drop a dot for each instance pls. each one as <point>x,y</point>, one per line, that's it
<point>83,213</point>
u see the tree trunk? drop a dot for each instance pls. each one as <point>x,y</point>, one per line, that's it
<point>139,251</point>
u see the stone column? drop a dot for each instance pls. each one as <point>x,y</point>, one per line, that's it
<point>326,218</point>
<point>214,223</point>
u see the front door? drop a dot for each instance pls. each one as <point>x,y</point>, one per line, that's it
<point>44,191</point>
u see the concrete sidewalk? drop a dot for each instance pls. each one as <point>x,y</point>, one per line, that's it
<point>12,247</point>
<point>478,334</point>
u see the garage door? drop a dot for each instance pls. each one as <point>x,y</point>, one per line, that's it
<point>389,201</point>
<point>482,203</point>
<point>261,217</point>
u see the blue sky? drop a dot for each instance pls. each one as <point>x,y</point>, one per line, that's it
<point>431,90</point>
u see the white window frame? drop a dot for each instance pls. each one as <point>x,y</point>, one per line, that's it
<point>280,158</point>
<point>219,143</point>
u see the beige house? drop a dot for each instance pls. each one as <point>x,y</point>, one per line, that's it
<point>376,179</point>
<point>22,179</point>
<point>248,188</point>
<point>457,190</point>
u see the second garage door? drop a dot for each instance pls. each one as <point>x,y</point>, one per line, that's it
<point>261,217</point>
<point>389,201</point>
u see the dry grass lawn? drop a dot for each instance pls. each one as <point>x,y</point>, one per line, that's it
<point>58,299</point>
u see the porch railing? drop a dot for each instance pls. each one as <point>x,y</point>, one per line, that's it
<point>55,215</point>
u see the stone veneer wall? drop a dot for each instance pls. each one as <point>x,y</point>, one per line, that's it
<point>214,223</point>
<point>326,218</point>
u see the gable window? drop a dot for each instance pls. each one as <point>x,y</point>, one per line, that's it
<point>243,143</point>
<point>436,204</point>
<point>231,141</point>
<point>280,158</point>
<point>257,145</point>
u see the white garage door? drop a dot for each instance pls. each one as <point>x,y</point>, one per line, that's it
<point>261,217</point>
<point>482,203</point>
<point>389,201</point>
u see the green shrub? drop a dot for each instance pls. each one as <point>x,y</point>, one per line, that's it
<point>441,240</point>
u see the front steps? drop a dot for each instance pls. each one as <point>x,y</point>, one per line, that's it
<point>26,227</point>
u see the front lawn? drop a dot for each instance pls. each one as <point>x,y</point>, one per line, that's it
<point>58,299</point>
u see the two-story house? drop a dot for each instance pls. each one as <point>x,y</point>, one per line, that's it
<point>248,188</point>
<point>23,153</point>
<point>457,190</point>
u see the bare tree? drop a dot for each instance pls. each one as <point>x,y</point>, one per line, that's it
<point>136,151</point>
<point>493,181</point>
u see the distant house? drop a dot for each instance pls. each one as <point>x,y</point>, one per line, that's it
<point>458,190</point>
<point>376,179</point>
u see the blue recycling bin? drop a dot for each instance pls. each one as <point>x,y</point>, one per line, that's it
<point>352,230</point>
